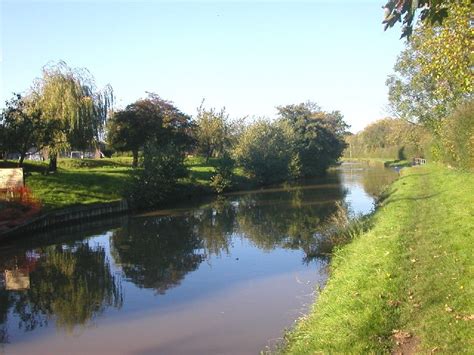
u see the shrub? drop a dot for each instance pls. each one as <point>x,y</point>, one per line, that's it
<point>457,137</point>
<point>157,175</point>
<point>264,151</point>
<point>223,179</point>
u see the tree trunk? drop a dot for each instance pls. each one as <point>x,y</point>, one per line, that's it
<point>22,158</point>
<point>208,154</point>
<point>135,158</point>
<point>53,162</point>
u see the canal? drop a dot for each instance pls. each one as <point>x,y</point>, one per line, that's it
<point>227,276</point>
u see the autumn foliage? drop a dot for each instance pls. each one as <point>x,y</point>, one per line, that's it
<point>17,206</point>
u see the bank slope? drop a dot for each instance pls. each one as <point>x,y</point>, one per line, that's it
<point>408,280</point>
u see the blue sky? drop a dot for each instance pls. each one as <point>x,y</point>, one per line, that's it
<point>248,56</point>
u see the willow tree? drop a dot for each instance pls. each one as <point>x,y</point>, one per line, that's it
<point>70,98</point>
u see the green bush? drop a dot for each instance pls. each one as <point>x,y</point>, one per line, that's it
<point>264,151</point>
<point>457,137</point>
<point>223,179</point>
<point>157,176</point>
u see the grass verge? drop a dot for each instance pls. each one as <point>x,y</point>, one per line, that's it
<point>408,280</point>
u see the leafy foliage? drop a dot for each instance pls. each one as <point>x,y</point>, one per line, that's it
<point>150,119</point>
<point>391,139</point>
<point>22,127</point>
<point>213,132</point>
<point>317,137</point>
<point>264,150</point>
<point>433,11</point>
<point>69,99</point>
<point>223,178</point>
<point>433,74</point>
<point>457,137</point>
<point>159,172</point>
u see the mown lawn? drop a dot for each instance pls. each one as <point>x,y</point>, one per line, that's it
<point>79,182</point>
<point>409,280</point>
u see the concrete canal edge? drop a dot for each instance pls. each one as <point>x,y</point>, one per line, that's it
<point>67,215</point>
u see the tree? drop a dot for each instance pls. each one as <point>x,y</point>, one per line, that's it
<point>69,99</point>
<point>163,133</point>
<point>149,119</point>
<point>264,151</point>
<point>126,132</point>
<point>212,131</point>
<point>317,136</point>
<point>432,11</point>
<point>22,127</point>
<point>433,74</point>
<point>457,137</point>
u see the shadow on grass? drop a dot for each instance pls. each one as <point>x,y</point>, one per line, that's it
<point>28,167</point>
<point>201,175</point>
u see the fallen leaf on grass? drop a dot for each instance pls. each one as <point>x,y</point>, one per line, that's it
<point>469,317</point>
<point>393,303</point>
<point>400,336</point>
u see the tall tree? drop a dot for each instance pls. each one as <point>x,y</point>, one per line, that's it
<point>318,136</point>
<point>212,131</point>
<point>69,97</point>
<point>433,74</point>
<point>150,119</point>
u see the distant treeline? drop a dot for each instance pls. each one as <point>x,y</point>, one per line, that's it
<point>451,143</point>
<point>390,139</point>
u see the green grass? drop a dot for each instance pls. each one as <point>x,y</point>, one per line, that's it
<point>68,187</point>
<point>412,272</point>
<point>86,181</point>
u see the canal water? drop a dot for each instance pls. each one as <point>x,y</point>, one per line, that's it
<point>227,276</point>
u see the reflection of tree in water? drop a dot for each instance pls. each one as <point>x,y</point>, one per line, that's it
<point>288,219</point>
<point>215,225</point>
<point>72,284</point>
<point>373,177</point>
<point>157,253</point>
<point>375,181</point>
<point>5,304</point>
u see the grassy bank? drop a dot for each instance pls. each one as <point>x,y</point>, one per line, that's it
<point>80,182</point>
<point>408,280</point>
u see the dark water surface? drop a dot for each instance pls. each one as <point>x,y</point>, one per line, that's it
<point>225,277</point>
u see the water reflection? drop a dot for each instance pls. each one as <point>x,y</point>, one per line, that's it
<point>71,279</point>
<point>70,283</point>
<point>157,252</point>
<point>370,175</point>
